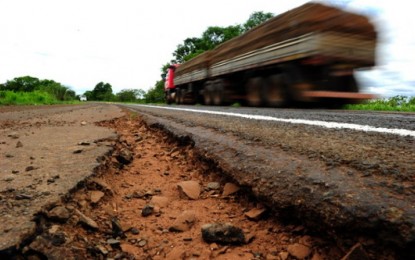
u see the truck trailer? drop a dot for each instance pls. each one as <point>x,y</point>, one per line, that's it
<point>306,55</point>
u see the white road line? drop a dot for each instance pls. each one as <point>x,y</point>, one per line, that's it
<point>365,128</point>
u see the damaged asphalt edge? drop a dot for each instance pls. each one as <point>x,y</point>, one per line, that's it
<point>40,217</point>
<point>348,226</point>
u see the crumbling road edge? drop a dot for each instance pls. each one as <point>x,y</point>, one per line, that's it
<point>318,201</point>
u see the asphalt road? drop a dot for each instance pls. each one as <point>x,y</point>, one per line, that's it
<point>374,119</point>
<point>343,170</point>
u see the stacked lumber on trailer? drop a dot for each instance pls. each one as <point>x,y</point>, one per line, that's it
<point>310,17</point>
<point>199,62</point>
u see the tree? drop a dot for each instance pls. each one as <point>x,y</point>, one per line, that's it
<point>212,37</point>
<point>130,95</point>
<point>102,92</point>
<point>55,88</point>
<point>216,35</point>
<point>30,84</point>
<point>22,84</point>
<point>256,19</point>
<point>88,94</point>
<point>155,94</point>
<point>185,51</point>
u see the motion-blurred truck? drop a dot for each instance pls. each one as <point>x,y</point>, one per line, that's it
<point>307,54</point>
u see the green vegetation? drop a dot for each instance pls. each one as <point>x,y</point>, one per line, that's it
<point>236,104</point>
<point>213,36</point>
<point>29,90</point>
<point>27,98</point>
<point>155,94</point>
<point>101,92</point>
<point>396,103</point>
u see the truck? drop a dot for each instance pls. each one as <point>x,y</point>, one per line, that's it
<point>307,55</point>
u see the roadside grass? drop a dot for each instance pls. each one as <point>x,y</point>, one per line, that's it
<point>28,98</point>
<point>397,103</point>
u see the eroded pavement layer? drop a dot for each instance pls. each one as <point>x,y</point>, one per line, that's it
<point>44,153</point>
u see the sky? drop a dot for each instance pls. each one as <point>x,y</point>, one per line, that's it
<point>80,43</point>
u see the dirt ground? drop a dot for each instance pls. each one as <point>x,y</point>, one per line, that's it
<point>151,196</point>
<point>156,166</point>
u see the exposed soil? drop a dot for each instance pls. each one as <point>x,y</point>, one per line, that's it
<point>145,170</point>
<point>349,182</point>
<point>154,191</point>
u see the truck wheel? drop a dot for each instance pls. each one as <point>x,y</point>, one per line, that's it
<point>254,88</point>
<point>182,95</point>
<point>168,97</point>
<point>351,84</point>
<point>207,94</point>
<point>274,91</point>
<point>177,97</point>
<point>218,93</point>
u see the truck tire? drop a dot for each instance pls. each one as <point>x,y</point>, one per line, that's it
<point>218,93</point>
<point>177,97</point>
<point>182,96</point>
<point>207,94</point>
<point>274,91</point>
<point>254,90</point>
<point>351,84</point>
<point>167,97</point>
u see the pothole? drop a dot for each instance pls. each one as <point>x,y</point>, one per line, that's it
<point>151,198</point>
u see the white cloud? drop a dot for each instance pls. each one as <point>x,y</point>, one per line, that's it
<point>80,43</point>
<point>393,74</point>
<point>125,43</point>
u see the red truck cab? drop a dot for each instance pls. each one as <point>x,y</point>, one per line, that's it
<point>169,87</point>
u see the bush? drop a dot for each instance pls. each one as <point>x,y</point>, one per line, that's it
<point>396,103</point>
<point>27,98</point>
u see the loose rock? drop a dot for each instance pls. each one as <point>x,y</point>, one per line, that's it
<point>59,213</point>
<point>191,189</point>
<point>213,186</point>
<point>222,234</point>
<point>13,135</point>
<point>101,249</point>
<point>255,213</point>
<point>184,221</point>
<point>125,156</point>
<point>229,189</point>
<point>134,231</point>
<point>160,201</point>
<point>142,243</point>
<point>30,168</point>
<point>96,196</point>
<point>299,251</point>
<point>23,197</point>
<point>86,221</point>
<point>147,210</point>
<point>58,238</point>
<point>113,242</point>
<point>101,185</point>
<point>45,247</point>
<point>117,230</point>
